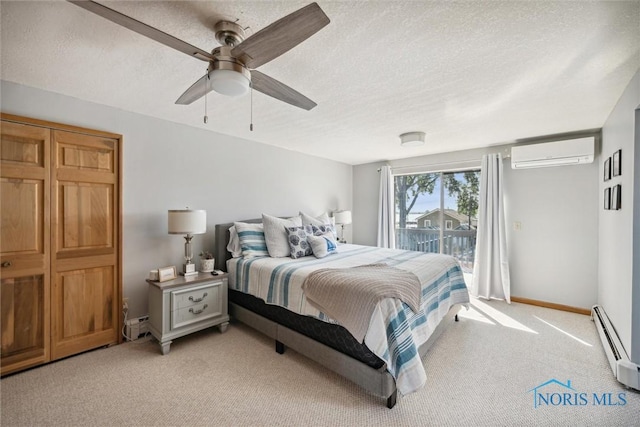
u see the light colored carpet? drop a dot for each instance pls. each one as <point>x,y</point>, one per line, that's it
<point>479,373</point>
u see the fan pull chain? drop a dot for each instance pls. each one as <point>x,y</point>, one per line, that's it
<point>206,86</point>
<point>251,124</point>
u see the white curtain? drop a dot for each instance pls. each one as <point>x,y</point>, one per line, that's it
<point>491,266</point>
<point>386,226</point>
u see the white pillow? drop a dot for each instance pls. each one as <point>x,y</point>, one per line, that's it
<point>323,245</point>
<point>275,234</point>
<point>252,240</point>
<point>322,219</point>
<point>234,243</point>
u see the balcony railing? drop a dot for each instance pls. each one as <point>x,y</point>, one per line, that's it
<point>461,244</point>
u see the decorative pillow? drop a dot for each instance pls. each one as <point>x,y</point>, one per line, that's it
<point>234,243</point>
<point>275,234</point>
<point>323,245</point>
<point>318,230</point>
<point>298,242</point>
<point>321,219</point>
<point>252,241</point>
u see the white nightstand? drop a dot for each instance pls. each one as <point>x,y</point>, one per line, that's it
<point>187,304</point>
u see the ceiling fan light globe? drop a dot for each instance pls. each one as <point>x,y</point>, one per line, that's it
<point>228,82</point>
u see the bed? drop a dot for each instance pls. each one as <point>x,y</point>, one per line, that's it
<point>265,293</point>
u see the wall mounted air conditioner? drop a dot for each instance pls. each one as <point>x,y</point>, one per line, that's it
<point>625,371</point>
<point>559,153</point>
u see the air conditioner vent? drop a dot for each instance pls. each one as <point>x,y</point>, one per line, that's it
<point>558,153</point>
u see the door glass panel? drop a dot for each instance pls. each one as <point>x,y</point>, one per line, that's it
<point>437,212</point>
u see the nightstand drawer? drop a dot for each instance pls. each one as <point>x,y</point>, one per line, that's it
<point>195,313</point>
<point>201,295</point>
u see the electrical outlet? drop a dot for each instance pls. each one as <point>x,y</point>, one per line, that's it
<point>125,304</point>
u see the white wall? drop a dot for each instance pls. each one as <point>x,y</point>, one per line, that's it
<point>554,256</point>
<point>618,278</point>
<point>171,166</point>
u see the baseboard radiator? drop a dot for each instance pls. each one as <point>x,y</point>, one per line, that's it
<point>625,371</point>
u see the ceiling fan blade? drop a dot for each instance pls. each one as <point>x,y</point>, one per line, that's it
<point>270,86</point>
<point>142,28</point>
<point>196,91</point>
<point>281,36</point>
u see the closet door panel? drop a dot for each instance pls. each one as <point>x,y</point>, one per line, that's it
<point>85,241</point>
<point>23,322</point>
<point>86,219</point>
<point>85,315</point>
<point>24,245</point>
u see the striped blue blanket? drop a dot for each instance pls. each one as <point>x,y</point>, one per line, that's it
<point>395,332</point>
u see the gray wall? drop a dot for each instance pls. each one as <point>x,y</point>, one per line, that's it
<point>171,166</point>
<point>554,256</point>
<point>619,254</point>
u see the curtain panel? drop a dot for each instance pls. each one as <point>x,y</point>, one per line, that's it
<point>491,278</point>
<point>386,208</point>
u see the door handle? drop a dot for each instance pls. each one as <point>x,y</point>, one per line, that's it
<point>6,264</point>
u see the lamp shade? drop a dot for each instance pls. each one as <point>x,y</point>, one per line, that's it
<point>187,221</point>
<point>342,217</point>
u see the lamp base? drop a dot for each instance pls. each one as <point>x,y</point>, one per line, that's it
<point>188,269</point>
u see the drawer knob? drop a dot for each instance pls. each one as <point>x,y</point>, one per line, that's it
<point>8,264</point>
<point>191,310</point>
<point>198,299</point>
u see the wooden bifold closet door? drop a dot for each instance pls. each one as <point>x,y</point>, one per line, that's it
<point>70,213</point>
<point>84,300</point>
<point>24,245</point>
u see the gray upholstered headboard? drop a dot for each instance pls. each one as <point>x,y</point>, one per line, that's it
<point>221,240</point>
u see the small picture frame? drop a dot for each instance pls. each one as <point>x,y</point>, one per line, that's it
<point>616,197</point>
<point>607,169</point>
<point>607,198</point>
<point>167,273</point>
<point>616,167</point>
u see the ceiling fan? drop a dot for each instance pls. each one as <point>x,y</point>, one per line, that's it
<point>232,66</point>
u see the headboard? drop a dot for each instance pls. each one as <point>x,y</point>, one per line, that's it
<point>221,240</point>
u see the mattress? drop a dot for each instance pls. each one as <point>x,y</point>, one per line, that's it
<point>395,332</point>
<point>332,335</point>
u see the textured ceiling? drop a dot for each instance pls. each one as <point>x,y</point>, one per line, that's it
<point>468,74</point>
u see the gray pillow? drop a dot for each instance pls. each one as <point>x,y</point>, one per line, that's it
<point>275,234</point>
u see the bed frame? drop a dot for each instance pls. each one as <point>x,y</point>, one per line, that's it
<point>376,381</point>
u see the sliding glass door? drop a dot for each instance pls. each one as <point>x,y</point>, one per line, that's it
<point>437,212</point>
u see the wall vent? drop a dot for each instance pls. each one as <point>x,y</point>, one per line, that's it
<point>558,153</point>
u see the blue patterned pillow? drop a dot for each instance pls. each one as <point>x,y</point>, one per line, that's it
<point>251,237</point>
<point>298,242</point>
<point>323,245</point>
<point>319,230</point>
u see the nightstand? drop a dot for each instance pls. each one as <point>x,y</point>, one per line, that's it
<point>185,305</point>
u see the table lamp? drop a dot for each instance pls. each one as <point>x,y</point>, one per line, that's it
<point>342,218</point>
<point>188,222</point>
